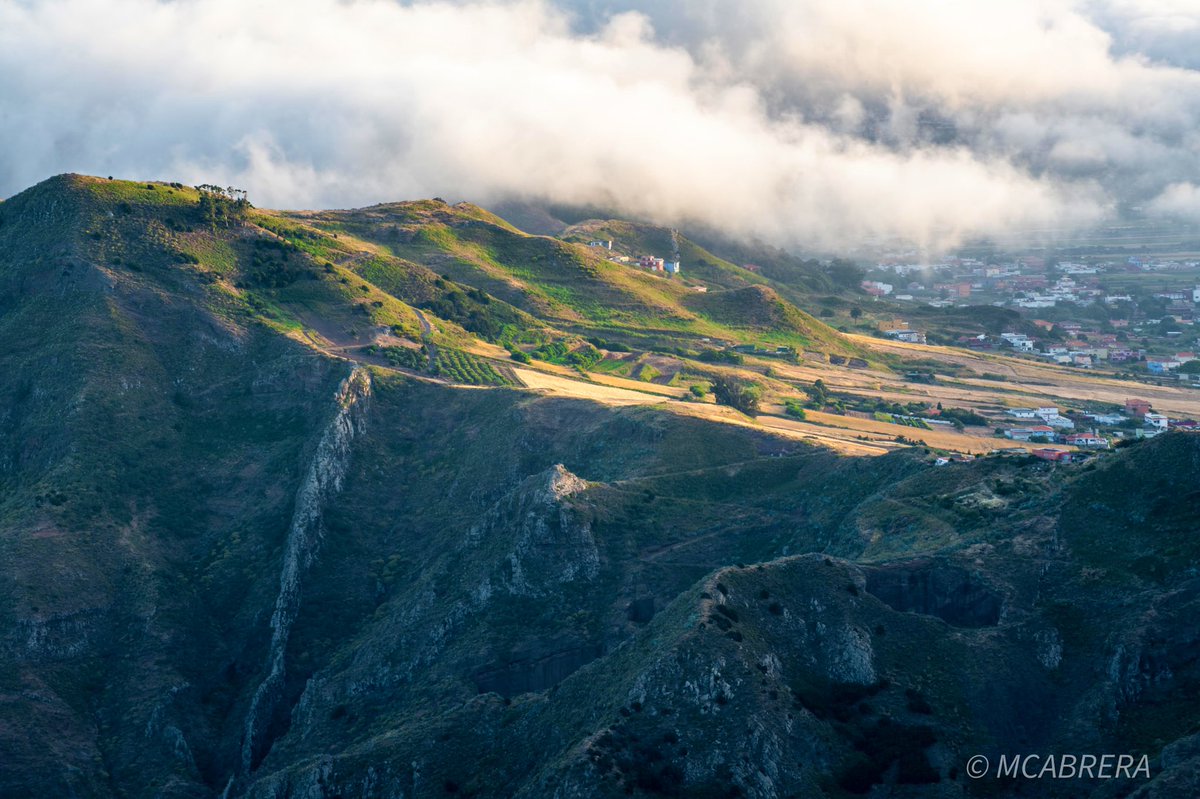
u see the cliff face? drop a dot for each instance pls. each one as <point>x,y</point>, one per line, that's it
<point>323,480</point>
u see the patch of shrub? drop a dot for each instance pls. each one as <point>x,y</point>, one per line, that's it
<point>917,702</point>
<point>738,394</point>
<point>880,746</point>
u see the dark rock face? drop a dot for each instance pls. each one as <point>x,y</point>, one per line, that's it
<point>535,670</point>
<point>641,610</point>
<point>950,593</point>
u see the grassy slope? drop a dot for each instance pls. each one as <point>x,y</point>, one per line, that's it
<point>571,286</point>
<point>720,275</point>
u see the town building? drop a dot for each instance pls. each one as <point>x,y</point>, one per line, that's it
<point>1157,421</point>
<point>1137,408</point>
<point>1030,433</point>
<point>1161,366</point>
<point>1054,455</point>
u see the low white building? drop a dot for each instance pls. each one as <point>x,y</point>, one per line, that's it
<point>908,336</point>
<point>1107,418</point>
<point>1156,421</point>
<point>1018,341</point>
<point>1028,433</point>
<point>1052,417</point>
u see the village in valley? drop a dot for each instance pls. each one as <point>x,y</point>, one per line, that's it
<point>1108,319</point>
<point>964,356</point>
<point>1088,430</point>
<point>1135,316</point>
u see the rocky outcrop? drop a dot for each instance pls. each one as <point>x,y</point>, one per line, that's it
<point>536,668</point>
<point>544,544</point>
<point>948,592</point>
<point>323,479</point>
<point>61,636</point>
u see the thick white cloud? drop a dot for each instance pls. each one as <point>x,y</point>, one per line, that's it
<point>816,122</point>
<point>1180,200</point>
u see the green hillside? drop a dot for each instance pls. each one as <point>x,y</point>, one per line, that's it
<point>264,538</point>
<point>571,286</point>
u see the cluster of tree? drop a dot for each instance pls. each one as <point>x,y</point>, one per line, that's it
<point>583,357</point>
<point>272,266</point>
<point>222,207</point>
<point>473,309</point>
<point>720,356</point>
<point>818,395</point>
<point>739,394</point>
<point>962,416</point>
<point>605,344</point>
<point>909,409</point>
<point>845,274</point>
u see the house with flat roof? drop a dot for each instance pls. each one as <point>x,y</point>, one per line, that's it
<point>1053,455</point>
<point>1030,433</point>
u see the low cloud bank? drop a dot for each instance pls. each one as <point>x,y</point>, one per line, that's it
<point>818,123</point>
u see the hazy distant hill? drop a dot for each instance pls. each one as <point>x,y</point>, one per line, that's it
<point>247,549</point>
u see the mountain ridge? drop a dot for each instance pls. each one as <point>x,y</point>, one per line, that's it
<point>501,592</point>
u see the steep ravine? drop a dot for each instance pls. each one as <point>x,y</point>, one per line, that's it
<point>323,480</point>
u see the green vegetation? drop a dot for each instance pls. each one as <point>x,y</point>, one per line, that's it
<point>462,367</point>
<point>818,395</point>
<point>220,207</point>
<point>721,356</point>
<point>272,265</point>
<point>583,356</point>
<point>736,393</point>
<point>515,591</point>
<point>405,357</point>
<point>962,416</point>
<point>577,288</point>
